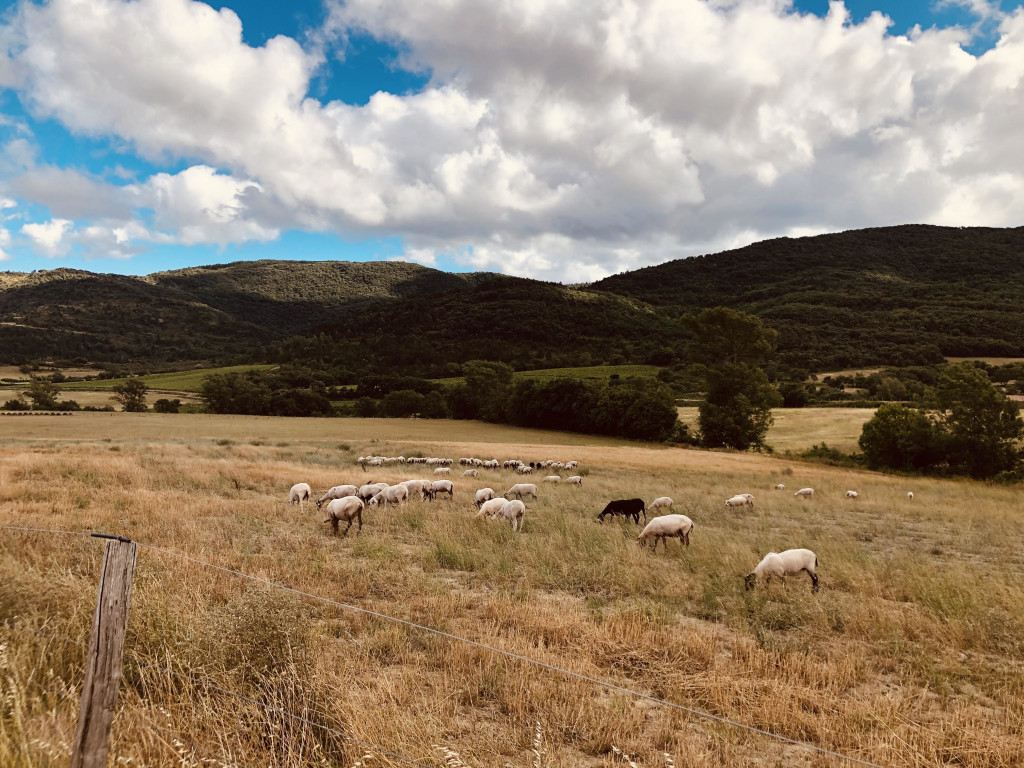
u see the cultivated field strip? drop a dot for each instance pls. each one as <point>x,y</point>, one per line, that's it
<point>908,656</point>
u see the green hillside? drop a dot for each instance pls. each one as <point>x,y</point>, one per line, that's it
<point>891,295</point>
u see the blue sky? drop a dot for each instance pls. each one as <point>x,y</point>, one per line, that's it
<point>152,135</point>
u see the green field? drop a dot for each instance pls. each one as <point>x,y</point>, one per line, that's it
<point>176,381</point>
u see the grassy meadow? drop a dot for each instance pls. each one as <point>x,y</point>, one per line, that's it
<point>175,381</point>
<point>910,655</point>
<point>797,429</point>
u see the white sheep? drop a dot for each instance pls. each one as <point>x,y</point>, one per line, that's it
<point>484,494</point>
<point>521,489</point>
<point>337,492</point>
<point>422,487</point>
<point>740,501</point>
<point>370,490</point>
<point>780,487</point>
<point>552,479</point>
<point>910,495</point>
<point>491,507</point>
<point>804,493</point>
<point>442,486</point>
<point>442,471</point>
<point>524,469</point>
<point>852,494</point>
<point>471,473</point>
<point>514,512</point>
<point>299,493</point>
<point>664,527</point>
<point>662,502</point>
<point>394,494</point>
<point>574,480</point>
<point>783,564</point>
<point>347,508</point>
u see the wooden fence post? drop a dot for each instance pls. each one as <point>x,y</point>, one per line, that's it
<point>103,660</point>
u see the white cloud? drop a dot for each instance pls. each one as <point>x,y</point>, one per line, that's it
<point>50,238</point>
<point>5,241</point>
<point>557,138</point>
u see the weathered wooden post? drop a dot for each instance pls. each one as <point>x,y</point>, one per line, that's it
<point>103,659</point>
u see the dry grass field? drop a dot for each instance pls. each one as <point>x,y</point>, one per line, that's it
<point>910,655</point>
<point>797,429</point>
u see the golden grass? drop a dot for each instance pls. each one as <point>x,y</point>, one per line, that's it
<point>909,656</point>
<point>102,398</point>
<point>797,429</point>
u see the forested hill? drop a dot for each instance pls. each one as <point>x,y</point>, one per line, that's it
<point>888,295</point>
<point>896,295</point>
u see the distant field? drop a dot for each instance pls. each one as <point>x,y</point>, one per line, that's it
<point>989,360</point>
<point>177,381</point>
<point>797,429</point>
<point>590,373</point>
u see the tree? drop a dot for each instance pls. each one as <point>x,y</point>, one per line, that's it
<point>43,394</point>
<point>982,427</point>
<point>488,385</point>
<point>729,347</point>
<point>131,394</point>
<point>898,437</point>
<point>165,405</point>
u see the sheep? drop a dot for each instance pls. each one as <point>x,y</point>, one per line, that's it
<point>782,564</point>
<point>780,487</point>
<point>664,527</point>
<point>740,501</point>
<point>484,494</point>
<point>442,471</point>
<point>491,507</point>
<point>394,494</point>
<point>299,493</point>
<point>662,502</point>
<point>852,494</point>
<point>422,487</point>
<point>524,470</point>
<point>471,473</point>
<point>552,479</point>
<point>625,507</point>
<point>370,490</point>
<point>337,492</point>
<point>521,489</point>
<point>442,486</point>
<point>348,508</point>
<point>910,495</point>
<point>804,493</point>
<point>574,480</point>
<point>513,511</point>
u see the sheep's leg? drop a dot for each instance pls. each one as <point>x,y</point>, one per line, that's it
<point>814,581</point>
<point>334,525</point>
<point>347,527</point>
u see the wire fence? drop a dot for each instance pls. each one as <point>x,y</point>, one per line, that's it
<point>427,629</point>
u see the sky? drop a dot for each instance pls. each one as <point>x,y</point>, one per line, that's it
<point>556,139</point>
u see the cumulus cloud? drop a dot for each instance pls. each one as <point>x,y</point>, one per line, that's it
<point>50,237</point>
<point>5,242</point>
<point>563,139</point>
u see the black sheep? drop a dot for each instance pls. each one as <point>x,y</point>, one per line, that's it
<point>627,508</point>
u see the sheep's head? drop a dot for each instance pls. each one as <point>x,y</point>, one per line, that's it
<point>750,581</point>
<point>319,503</point>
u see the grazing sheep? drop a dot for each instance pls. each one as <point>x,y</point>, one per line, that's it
<point>348,508</point>
<point>337,492</point>
<point>370,490</point>
<point>780,487</point>
<point>422,487</point>
<point>552,479</point>
<point>625,507</point>
<point>442,486</point>
<point>662,502</point>
<point>521,489</point>
<point>514,512</point>
<point>804,493</point>
<point>394,494</point>
<point>471,473</point>
<point>740,501</point>
<point>852,494</point>
<point>299,493</point>
<point>574,480</point>
<point>783,564</point>
<point>442,471</point>
<point>484,494</point>
<point>910,495</point>
<point>664,527</point>
<point>524,470</point>
<point>491,507</point>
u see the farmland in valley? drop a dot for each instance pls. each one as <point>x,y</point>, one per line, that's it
<point>908,656</point>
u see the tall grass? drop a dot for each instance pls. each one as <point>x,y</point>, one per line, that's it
<point>909,656</point>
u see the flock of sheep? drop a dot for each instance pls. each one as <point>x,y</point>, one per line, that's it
<point>345,503</point>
